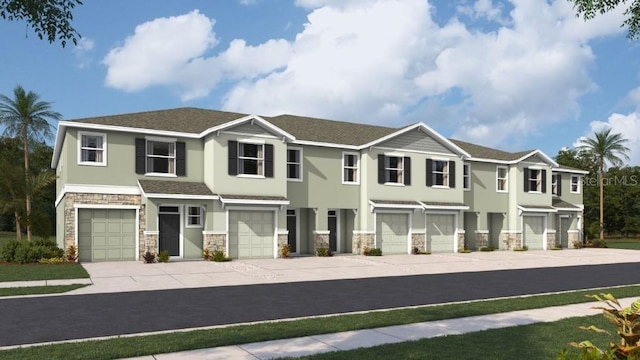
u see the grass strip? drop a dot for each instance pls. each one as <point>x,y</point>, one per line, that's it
<point>29,272</point>
<point>242,334</point>
<point>535,341</point>
<point>39,290</point>
<point>629,244</point>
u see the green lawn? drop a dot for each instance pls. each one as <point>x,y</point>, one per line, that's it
<point>39,290</point>
<point>6,236</point>
<point>242,334</point>
<point>633,244</point>
<point>27,272</point>
<point>537,341</point>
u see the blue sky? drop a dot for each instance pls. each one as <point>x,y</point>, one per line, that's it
<point>515,75</point>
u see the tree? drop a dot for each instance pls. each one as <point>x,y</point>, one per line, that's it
<point>588,9</point>
<point>25,116</point>
<point>604,148</point>
<point>48,18</point>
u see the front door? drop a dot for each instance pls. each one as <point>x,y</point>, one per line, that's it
<point>169,226</point>
<point>292,228</point>
<point>333,230</point>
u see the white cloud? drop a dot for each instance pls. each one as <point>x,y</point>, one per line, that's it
<point>82,52</point>
<point>482,9</point>
<point>627,125</point>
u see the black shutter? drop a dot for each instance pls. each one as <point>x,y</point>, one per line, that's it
<point>181,163</point>
<point>381,176</point>
<point>526,179</point>
<point>544,181</point>
<point>429,172</point>
<point>559,186</point>
<point>452,174</point>
<point>407,170</point>
<point>268,160</point>
<point>233,157</point>
<point>141,156</point>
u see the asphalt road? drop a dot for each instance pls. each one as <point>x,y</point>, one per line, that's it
<point>54,318</point>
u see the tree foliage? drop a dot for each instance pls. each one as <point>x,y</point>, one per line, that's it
<point>589,9</point>
<point>50,19</point>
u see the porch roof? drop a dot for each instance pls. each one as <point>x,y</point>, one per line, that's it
<point>175,189</point>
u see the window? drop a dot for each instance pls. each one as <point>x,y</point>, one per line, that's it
<point>294,164</point>
<point>194,216</point>
<point>575,184</point>
<point>502,176</point>
<point>161,157</point>
<point>350,168</point>
<point>535,180</point>
<point>93,149</point>
<point>251,158</point>
<point>394,169</point>
<point>440,173</point>
<point>466,176</point>
<point>556,184</point>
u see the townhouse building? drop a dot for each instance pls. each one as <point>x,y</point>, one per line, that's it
<point>184,180</point>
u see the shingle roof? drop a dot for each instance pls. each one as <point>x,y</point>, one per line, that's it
<point>175,187</point>
<point>559,203</point>
<point>569,168</point>
<point>443,204</point>
<point>188,120</point>
<point>395,202</point>
<point>253,197</point>
<point>479,151</point>
<point>329,131</point>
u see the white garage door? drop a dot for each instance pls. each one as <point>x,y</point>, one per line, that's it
<point>251,234</point>
<point>106,234</point>
<point>440,232</point>
<point>392,233</point>
<point>533,231</point>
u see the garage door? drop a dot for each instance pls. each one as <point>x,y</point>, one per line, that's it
<point>251,234</point>
<point>106,234</point>
<point>440,232</point>
<point>533,232</point>
<point>392,233</point>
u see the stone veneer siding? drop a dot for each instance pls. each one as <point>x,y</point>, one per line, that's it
<point>482,239</point>
<point>461,234</point>
<point>511,240</point>
<point>320,240</point>
<point>551,239</point>
<point>361,240</point>
<point>215,242</point>
<point>418,240</point>
<point>100,199</point>
<point>573,237</point>
<point>283,240</point>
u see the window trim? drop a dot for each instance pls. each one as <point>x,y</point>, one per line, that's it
<point>261,161</point>
<point>577,184</point>
<point>200,216</point>
<point>104,148</point>
<point>539,170</point>
<point>506,179</point>
<point>445,174</point>
<point>400,169</point>
<point>466,177</point>
<point>554,181</point>
<point>357,168</point>
<point>174,157</point>
<point>299,163</point>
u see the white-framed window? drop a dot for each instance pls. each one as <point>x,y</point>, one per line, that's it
<point>441,173</point>
<point>250,159</point>
<point>161,157</point>
<point>575,184</point>
<point>350,168</point>
<point>92,149</point>
<point>394,170</point>
<point>554,184</point>
<point>194,216</point>
<point>535,180</point>
<point>294,164</point>
<point>502,179</point>
<point>466,176</point>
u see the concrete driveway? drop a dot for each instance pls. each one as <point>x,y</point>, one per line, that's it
<point>108,277</point>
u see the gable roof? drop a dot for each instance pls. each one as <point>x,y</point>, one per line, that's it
<point>483,152</point>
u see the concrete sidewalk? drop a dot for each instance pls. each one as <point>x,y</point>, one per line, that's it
<point>350,340</point>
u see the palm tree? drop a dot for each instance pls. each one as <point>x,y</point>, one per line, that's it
<point>26,117</point>
<point>604,148</point>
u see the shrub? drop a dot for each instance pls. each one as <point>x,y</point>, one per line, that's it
<point>627,322</point>
<point>556,247</point>
<point>372,252</point>
<point>285,251</point>
<point>163,256</point>
<point>577,244</point>
<point>55,260</point>
<point>596,244</point>
<point>72,253</point>
<point>219,256</point>
<point>487,248</point>
<point>415,251</point>
<point>8,250</point>
<point>206,254</point>
<point>465,251</point>
<point>149,257</point>
<point>30,252</point>
<point>324,252</point>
